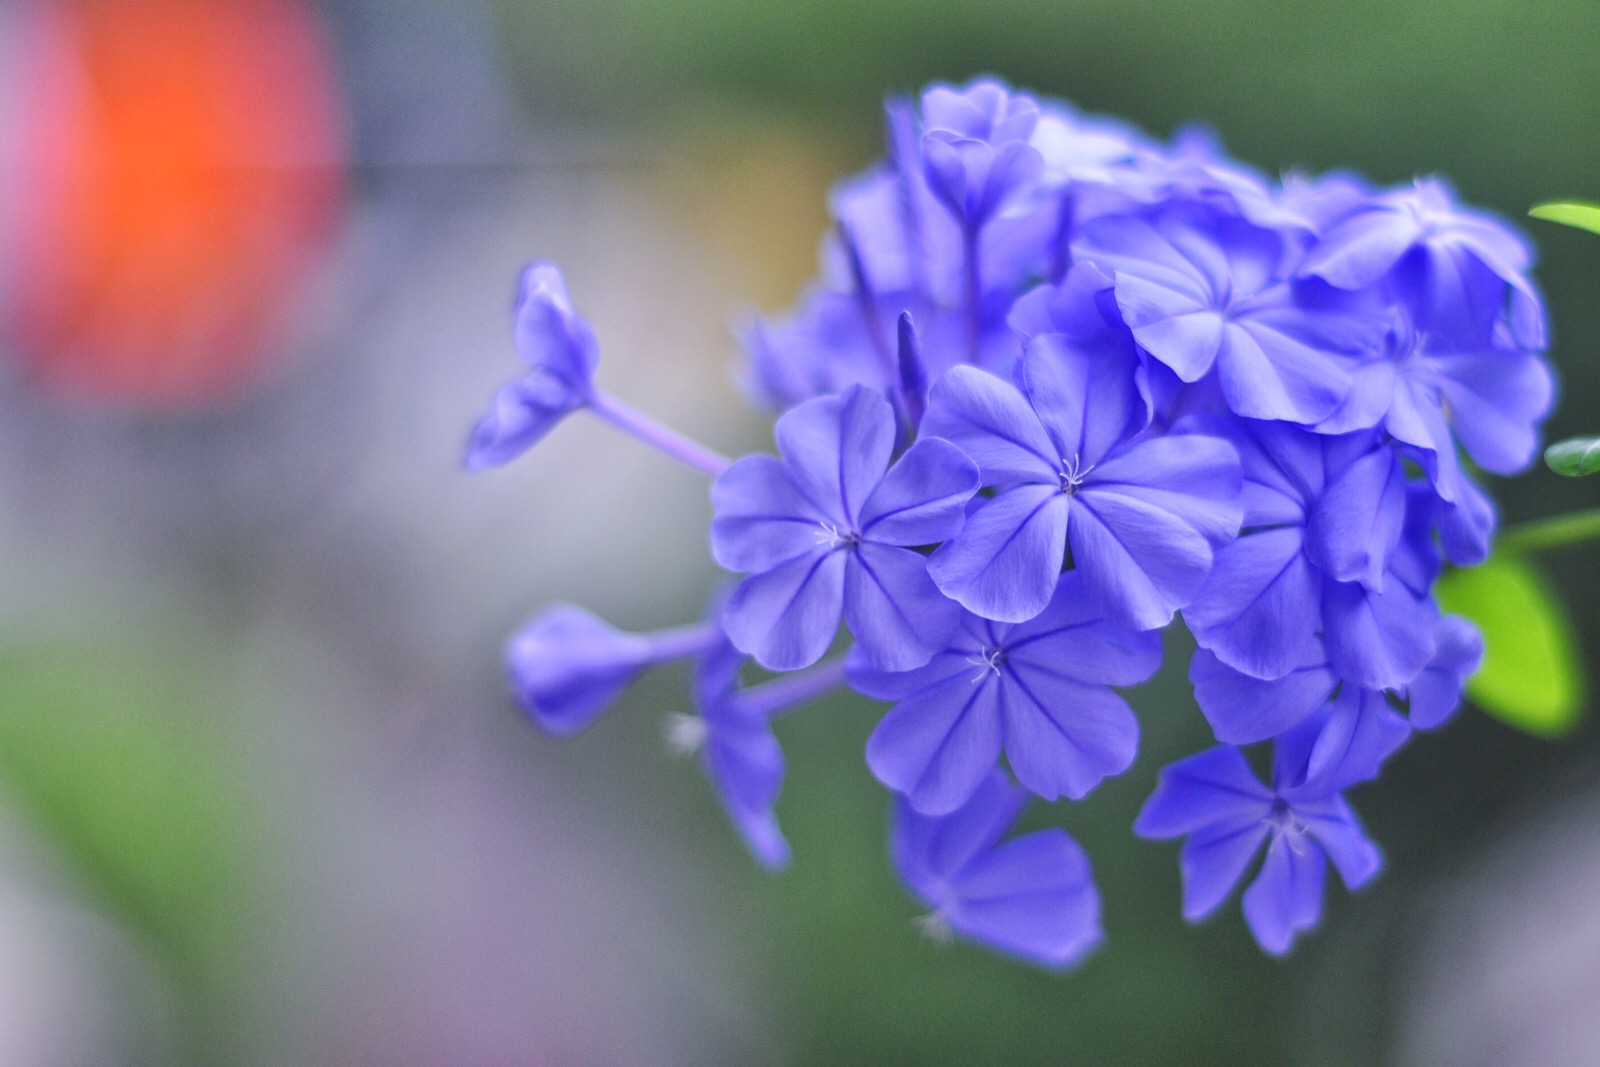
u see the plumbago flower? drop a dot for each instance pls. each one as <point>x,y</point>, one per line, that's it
<point>1059,384</point>
<point>1216,801</point>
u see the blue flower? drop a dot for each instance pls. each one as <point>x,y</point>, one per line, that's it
<point>741,756</point>
<point>1427,390</point>
<point>1463,267</point>
<point>975,147</point>
<point>1325,549</point>
<point>1226,814</point>
<point>1203,289</point>
<point>567,665</point>
<point>1243,710</point>
<point>1071,463</point>
<point>825,531</point>
<point>558,348</point>
<point>1054,383</point>
<point>1032,897</point>
<point>1038,690</point>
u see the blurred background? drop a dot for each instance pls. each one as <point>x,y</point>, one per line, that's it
<point>263,799</point>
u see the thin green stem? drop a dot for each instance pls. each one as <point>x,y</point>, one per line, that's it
<point>1557,532</point>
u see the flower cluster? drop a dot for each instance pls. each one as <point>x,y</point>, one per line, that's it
<point>1056,385</point>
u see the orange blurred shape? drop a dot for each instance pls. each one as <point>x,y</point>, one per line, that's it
<point>179,167</point>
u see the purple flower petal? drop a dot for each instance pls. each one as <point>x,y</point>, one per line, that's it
<point>1063,737</point>
<point>898,616</point>
<point>1268,374</point>
<point>567,665</point>
<point>1497,400</point>
<point>1140,562</point>
<point>1072,638</point>
<point>1193,476</point>
<point>787,617</point>
<point>1005,562</point>
<point>1435,694</point>
<point>1214,786</point>
<point>1032,897</point>
<point>763,518</point>
<point>549,333</point>
<point>991,422</point>
<point>838,447</point>
<point>521,413</point>
<point>1260,608</point>
<point>1286,897</point>
<point>1377,640</point>
<point>1358,731</point>
<point>1356,522</point>
<point>1213,860</point>
<point>1243,710</point>
<point>923,498</point>
<point>928,850</point>
<point>1336,828</point>
<point>1362,249</point>
<point>937,746</point>
<point>1087,399</point>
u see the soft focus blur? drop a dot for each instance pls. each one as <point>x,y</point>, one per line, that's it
<point>263,799</point>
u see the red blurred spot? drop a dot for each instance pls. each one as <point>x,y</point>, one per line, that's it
<point>180,168</point>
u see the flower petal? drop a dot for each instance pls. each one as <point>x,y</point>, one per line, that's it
<point>1032,897</point>
<point>1266,374</point>
<point>1243,710</point>
<point>923,498</point>
<point>1005,562</point>
<point>898,616</point>
<point>1140,562</point>
<point>1214,786</point>
<point>1260,609</point>
<point>991,422</point>
<point>1356,522</point>
<point>762,517</point>
<point>1063,737</point>
<point>838,447</point>
<point>787,617</point>
<point>1286,897</point>
<point>1213,860</point>
<point>938,745</point>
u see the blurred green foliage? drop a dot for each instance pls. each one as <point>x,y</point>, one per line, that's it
<point>119,752</point>
<point>1532,676</point>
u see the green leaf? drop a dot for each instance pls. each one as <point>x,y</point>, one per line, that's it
<point>1577,213</point>
<point>1531,676</point>
<point>1574,457</point>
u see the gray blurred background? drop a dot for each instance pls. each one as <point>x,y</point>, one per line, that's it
<point>263,799</point>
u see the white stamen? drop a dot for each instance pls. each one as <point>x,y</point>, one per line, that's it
<point>988,661</point>
<point>832,537</point>
<point>933,927</point>
<point>1073,473</point>
<point>685,734</point>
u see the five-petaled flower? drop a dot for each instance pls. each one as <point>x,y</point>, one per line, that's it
<point>829,529</point>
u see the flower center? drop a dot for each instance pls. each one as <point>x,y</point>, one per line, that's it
<point>1073,472</point>
<point>988,662</point>
<point>1287,825</point>
<point>832,536</point>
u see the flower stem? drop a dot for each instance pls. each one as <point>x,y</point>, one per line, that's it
<point>663,439</point>
<point>1557,532</point>
<point>681,642</point>
<point>792,690</point>
<point>972,249</point>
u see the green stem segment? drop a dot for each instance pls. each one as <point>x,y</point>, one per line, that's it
<point>1545,534</point>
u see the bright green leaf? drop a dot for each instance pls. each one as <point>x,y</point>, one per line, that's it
<point>1574,457</point>
<point>1531,676</point>
<point>1570,213</point>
